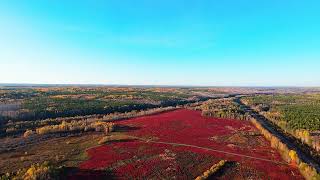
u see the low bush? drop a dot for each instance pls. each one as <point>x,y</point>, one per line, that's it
<point>28,133</point>
<point>44,171</point>
<point>116,137</point>
<point>212,170</point>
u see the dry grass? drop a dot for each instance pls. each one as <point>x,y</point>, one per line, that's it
<point>212,170</point>
<point>115,137</point>
<point>68,151</point>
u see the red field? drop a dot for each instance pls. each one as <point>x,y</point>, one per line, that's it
<point>182,144</point>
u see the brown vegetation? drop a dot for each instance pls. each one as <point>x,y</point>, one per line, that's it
<point>28,133</point>
<point>66,151</point>
<point>77,126</point>
<point>43,171</point>
<point>115,137</point>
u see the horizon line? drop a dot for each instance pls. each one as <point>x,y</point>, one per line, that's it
<point>149,85</point>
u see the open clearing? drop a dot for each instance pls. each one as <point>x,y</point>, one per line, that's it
<point>182,144</point>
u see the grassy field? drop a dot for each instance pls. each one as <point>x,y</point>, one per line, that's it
<point>183,144</point>
<point>68,151</point>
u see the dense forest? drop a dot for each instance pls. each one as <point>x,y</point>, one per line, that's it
<point>41,103</point>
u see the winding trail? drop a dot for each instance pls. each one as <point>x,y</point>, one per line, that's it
<point>209,149</point>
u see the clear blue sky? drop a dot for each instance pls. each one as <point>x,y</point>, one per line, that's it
<point>165,42</point>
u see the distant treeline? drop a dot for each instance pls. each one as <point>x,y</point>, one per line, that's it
<point>82,108</point>
<point>43,103</point>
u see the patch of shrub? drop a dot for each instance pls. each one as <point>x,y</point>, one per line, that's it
<point>44,171</point>
<point>212,170</point>
<point>115,138</point>
<point>28,133</point>
<point>77,126</point>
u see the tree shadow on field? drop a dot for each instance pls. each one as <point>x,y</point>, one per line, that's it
<point>228,165</point>
<point>86,174</point>
<point>125,128</point>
